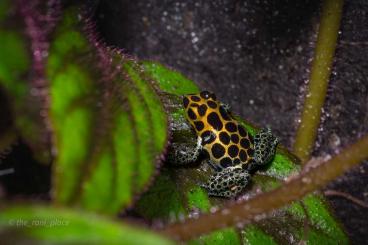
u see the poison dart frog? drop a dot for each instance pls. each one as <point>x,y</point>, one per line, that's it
<point>231,151</point>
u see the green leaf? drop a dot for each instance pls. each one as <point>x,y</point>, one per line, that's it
<point>224,237</point>
<point>308,220</point>
<point>169,80</point>
<point>47,225</point>
<point>109,124</point>
<point>254,235</point>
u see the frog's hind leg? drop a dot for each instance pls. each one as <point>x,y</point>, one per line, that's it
<point>265,144</point>
<point>183,154</point>
<point>227,183</point>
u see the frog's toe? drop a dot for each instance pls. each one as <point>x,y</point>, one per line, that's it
<point>226,107</point>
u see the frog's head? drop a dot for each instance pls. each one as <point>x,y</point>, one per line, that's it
<point>197,106</point>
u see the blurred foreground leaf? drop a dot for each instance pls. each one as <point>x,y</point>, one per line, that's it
<point>47,225</point>
<point>105,125</point>
<point>109,125</point>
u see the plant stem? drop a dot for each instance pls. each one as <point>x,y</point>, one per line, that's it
<point>292,190</point>
<point>320,74</point>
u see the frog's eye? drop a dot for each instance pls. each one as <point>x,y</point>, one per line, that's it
<point>205,94</point>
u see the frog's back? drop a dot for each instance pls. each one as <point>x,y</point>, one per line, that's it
<point>225,140</point>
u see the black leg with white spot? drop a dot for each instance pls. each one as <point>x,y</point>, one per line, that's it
<point>265,144</point>
<point>184,154</point>
<point>227,183</point>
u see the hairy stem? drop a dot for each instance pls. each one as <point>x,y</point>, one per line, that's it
<point>320,73</point>
<point>292,190</point>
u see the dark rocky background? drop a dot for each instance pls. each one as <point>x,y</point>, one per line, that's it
<point>256,56</point>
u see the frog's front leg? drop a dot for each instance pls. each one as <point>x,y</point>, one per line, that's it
<point>182,154</point>
<point>265,144</point>
<point>227,183</point>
